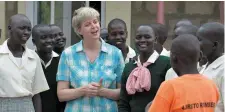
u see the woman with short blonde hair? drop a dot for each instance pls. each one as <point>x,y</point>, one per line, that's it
<point>89,72</point>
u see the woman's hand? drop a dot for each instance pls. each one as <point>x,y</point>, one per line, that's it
<point>91,89</point>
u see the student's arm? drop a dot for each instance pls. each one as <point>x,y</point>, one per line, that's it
<point>124,99</point>
<point>219,80</point>
<point>164,98</point>
<point>37,103</point>
<point>115,93</point>
<point>39,84</point>
<point>148,106</point>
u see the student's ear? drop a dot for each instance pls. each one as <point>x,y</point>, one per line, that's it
<point>33,41</point>
<point>215,45</point>
<point>156,39</point>
<point>9,27</point>
<point>174,59</point>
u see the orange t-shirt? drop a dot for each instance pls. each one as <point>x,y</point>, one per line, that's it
<point>188,93</point>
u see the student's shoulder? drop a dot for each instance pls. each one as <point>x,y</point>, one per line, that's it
<point>32,54</point>
<point>129,67</point>
<point>163,58</point>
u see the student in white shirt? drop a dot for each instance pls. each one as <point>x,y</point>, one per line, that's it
<point>161,35</point>
<point>185,29</point>
<point>21,74</point>
<point>211,37</point>
<point>117,31</point>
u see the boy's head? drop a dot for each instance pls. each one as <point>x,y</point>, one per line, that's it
<point>185,29</point>
<point>161,32</point>
<point>117,31</point>
<point>211,37</point>
<point>185,52</point>
<point>42,38</point>
<point>58,35</point>
<point>182,22</point>
<point>19,28</point>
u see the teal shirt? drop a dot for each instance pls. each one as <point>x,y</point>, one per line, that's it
<point>75,68</point>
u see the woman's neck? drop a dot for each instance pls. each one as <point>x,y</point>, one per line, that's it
<point>94,44</point>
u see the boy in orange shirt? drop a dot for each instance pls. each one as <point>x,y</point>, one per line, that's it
<point>191,91</point>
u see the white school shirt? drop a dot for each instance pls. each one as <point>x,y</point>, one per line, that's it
<point>165,52</point>
<point>171,74</point>
<point>131,53</point>
<point>27,79</point>
<point>215,71</point>
<point>54,54</point>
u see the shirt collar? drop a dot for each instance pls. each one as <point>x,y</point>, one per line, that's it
<point>151,59</point>
<point>80,47</point>
<point>215,64</point>
<point>54,54</point>
<point>4,49</point>
<point>131,53</point>
<point>165,52</point>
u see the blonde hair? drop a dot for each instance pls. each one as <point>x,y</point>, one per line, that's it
<point>81,14</point>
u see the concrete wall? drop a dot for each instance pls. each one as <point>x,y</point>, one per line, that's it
<point>144,12</point>
<point>2,20</point>
<point>7,9</point>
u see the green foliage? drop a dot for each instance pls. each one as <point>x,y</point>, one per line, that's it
<point>44,12</point>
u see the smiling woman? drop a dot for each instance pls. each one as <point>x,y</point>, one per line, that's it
<point>89,72</point>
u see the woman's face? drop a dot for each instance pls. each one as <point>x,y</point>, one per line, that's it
<point>144,39</point>
<point>90,28</point>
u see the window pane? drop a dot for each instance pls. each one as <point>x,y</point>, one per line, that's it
<point>10,9</point>
<point>59,13</point>
<point>44,12</point>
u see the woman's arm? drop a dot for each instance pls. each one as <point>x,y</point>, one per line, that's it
<point>110,93</point>
<point>124,99</point>
<point>66,94</point>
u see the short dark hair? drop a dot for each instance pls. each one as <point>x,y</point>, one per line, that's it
<point>160,32</point>
<point>116,21</point>
<point>36,28</point>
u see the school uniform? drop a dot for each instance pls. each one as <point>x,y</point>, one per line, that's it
<point>137,102</point>
<point>131,54</point>
<point>171,74</point>
<point>49,98</point>
<point>165,52</point>
<point>215,71</point>
<point>20,80</point>
<point>188,93</point>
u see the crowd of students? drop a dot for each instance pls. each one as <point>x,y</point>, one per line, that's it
<point>101,73</point>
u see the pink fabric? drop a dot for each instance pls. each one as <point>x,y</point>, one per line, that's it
<point>139,79</point>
